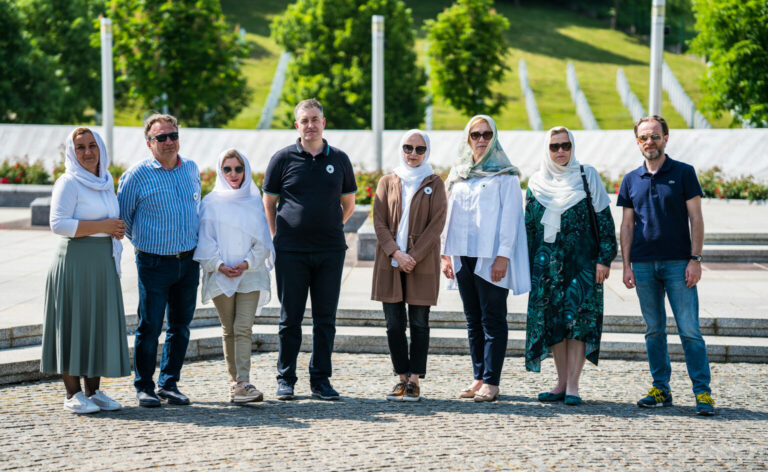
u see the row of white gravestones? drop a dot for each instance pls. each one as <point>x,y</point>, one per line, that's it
<point>588,120</point>
<point>628,98</point>
<point>534,119</point>
<point>273,99</point>
<point>680,100</point>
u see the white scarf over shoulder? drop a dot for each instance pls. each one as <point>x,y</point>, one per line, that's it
<point>102,183</point>
<point>410,180</point>
<point>558,188</point>
<point>236,223</point>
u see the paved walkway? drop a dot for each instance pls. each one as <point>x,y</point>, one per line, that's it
<point>364,432</point>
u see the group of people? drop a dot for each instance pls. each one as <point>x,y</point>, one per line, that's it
<point>476,228</point>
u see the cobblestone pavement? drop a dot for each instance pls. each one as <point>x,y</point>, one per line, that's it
<point>364,432</point>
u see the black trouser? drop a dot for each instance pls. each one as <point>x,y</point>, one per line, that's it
<point>418,315</point>
<point>298,274</point>
<point>485,306</point>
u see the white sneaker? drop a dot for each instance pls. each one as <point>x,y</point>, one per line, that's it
<point>104,402</point>
<point>80,404</point>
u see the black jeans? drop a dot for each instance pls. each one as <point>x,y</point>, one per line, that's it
<point>299,274</point>
<point>418,315</point>
<point>485,306</point>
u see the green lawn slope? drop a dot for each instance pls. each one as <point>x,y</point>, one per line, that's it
<point>546,37</point>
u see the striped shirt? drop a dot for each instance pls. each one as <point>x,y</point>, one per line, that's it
<point>159,206</point>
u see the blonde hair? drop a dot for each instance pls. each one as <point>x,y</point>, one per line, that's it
<point>232,153</point>
<point>475,121</point>
<point>558,131</point>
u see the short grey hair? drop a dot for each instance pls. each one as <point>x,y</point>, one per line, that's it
<point>306,104</point>
<point>159,117</point>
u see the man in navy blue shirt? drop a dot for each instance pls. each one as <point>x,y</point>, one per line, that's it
<point>661,256</point>
<point>315,186</point>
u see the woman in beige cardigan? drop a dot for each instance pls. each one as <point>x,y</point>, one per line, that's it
<point>408,215</point>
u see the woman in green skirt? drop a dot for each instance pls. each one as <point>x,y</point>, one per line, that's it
<point>84,329</point>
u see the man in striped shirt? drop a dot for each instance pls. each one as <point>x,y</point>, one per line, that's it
<point>159,199</point>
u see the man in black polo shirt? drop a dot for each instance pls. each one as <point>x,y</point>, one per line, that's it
<point>315,185</point>
<point>660,198</point>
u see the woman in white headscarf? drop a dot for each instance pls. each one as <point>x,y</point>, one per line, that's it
<point>84,327</point>
<point>484,249</point>
<point>570,256</point>
<point>408,215</point>
<point>236,254</point>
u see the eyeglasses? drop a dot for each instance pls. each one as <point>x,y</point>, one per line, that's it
<point>643,138</point>
<point>566,146</point>
<point>475,135</point>
<point>407,148</point>
<point>237,169</point>
<point>160,138</point>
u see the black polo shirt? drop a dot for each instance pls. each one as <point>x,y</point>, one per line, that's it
<point>309,215</point>
<point>661,217</point>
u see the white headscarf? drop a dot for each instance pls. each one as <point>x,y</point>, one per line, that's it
<point>234,218</point>
<point>102,183</point>
<point>558,188</point>
<point>410,180</point>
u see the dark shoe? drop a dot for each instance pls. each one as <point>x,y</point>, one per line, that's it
<point>324,391</point>
<point>284,391</point>
<point>551,397</point>
<point>572,400</point>
<point>705,406</point>
<point>656,398</point>
<point>173,396</point>
<point>412,393</point>
<point>397,392</point>
<point>147,399</point>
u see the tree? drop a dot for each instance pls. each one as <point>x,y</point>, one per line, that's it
<point>467,51</point>
<point>181,54</point>
<point>330,41</point>
<point>734,38</point>
<point>61,29</point>
<point>27,83</point>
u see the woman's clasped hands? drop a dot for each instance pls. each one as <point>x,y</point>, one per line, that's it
<point>404,261</point>
<point>234,271</point>
<point>115,227</point>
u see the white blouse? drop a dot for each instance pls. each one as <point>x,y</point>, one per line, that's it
<point>255,277</point>
<point>71,202</point>
<point>485,220</point>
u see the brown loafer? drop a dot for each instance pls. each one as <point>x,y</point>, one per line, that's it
<point>484,397</point>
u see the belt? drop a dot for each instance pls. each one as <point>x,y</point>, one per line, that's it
<point>181,255</point>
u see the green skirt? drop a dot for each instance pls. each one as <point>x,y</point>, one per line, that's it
<point>84,329</point>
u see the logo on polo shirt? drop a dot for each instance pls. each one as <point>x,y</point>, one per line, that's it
<point>428,190</point>
<point>671,182</point>
<point>329,169</point>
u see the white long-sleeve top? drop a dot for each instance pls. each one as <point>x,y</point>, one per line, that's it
<point>256,277</point>
<point>71,202</point>
<point>485,220</point>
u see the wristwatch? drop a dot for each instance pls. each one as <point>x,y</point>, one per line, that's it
<point>696,257</point>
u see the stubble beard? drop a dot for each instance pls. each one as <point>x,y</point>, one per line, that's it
<point>652,155</point>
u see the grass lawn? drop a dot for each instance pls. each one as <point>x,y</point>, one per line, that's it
<point>546,37</point>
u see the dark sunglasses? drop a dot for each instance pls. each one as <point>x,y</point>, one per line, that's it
<point>160,138</point>
<point>475,135</point>
<point>407,148</point>
<point>564,146</point>
<point>237,169</point>
<point>643,138</point>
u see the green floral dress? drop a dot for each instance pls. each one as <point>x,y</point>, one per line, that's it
<point>564,301</point>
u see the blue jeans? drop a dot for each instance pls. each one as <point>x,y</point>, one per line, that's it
<point>653,279</point>
<point>485,307</point>
<point>169,286</point>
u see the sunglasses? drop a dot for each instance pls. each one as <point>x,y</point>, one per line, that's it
<point>564,146</point>
<point>475,135</point>
<point>643,138</point>
<point>407,148</point>
<point>237,169</point>
<point>160,138</point>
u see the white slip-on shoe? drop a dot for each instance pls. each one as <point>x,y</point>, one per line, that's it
<point>80,404</point>
<point>104,402</point>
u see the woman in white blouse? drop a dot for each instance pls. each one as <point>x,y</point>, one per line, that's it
<point>236,254</point>
<point>485,249</point>
<point>84,328</point>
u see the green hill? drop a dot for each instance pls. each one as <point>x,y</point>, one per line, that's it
<point>546,37</point>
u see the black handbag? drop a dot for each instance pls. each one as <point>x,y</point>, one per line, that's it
<point>592,214</point>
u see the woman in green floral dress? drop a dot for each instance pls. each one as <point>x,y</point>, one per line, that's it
<point>568,265</point>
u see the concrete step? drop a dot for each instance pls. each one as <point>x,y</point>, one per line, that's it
<point>23,363</point>
<point>29,335</point>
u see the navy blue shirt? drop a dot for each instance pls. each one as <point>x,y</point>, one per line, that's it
<point>309,214</point>
<point>661,217</point>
